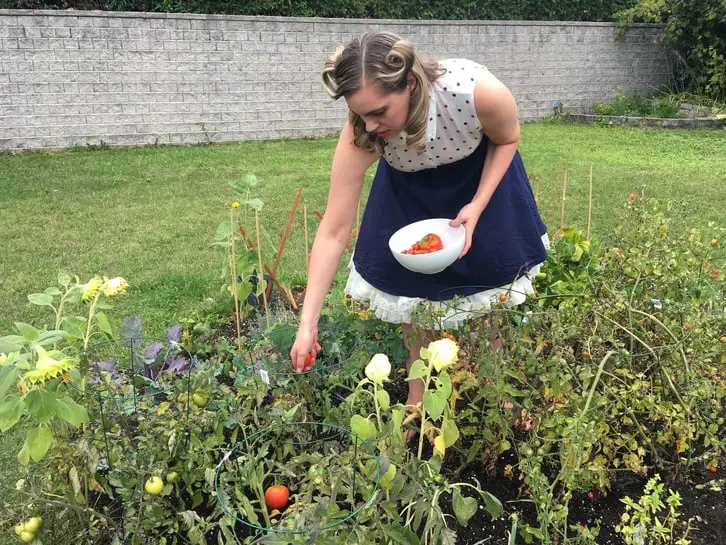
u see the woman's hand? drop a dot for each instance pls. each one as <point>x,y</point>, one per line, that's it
<point>468,217</point>
<point>305,349</point>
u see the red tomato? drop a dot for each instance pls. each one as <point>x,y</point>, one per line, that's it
<point>309,361</point>
<point>276,496</point>
<point>428,243</point>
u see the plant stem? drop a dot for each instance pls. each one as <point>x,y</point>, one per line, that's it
<point>423,413</point>
<point>233,269</point>
<point>89,327</point>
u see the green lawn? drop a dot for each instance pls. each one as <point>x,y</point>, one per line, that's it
<point>149,214</point>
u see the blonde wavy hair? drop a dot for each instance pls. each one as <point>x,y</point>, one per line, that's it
<point>387,60</point>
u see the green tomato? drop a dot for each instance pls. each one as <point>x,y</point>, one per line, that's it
<point>200,400</point>
<point>27,537</point>
<point>19,529</point>
<point>33,524</point>
<point>172,476</point>
<point>154,486</point>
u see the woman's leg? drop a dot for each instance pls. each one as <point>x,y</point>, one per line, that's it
<point>414,339</point>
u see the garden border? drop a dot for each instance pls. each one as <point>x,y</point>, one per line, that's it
<point>661,122</point>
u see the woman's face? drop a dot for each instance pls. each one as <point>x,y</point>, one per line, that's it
<point>383,113</point>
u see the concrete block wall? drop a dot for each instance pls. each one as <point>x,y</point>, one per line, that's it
<point>73,78</point>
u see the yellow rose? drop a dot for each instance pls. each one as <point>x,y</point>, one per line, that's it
<point>379,368</point>
<point>443,353</point>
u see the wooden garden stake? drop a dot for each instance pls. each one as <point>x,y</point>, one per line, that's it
<point>560,231</point>
<point>536,190</point>
<point>260,273</point>
<point>589,207</point>
<point>307,246</point>
<point>281,248</point>
<point>233,270</point>
<point>286,293</point>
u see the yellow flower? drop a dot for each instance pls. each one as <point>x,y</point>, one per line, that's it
<point>235,204</point>
<point>114,286</point>
<point>379,368</point>
<point>47,367</point>
<point>444,352</point>
<point>91,288</point>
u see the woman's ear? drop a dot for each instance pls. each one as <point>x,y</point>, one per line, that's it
<point>411,82</point>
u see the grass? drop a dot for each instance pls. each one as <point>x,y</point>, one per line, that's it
<point>150,214</point>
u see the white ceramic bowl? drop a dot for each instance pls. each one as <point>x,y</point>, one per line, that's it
<point>452,238</point>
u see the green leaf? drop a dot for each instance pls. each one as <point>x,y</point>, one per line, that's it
<point>402,535</point>
<point>464,508</point>
<point>362,427</point>
<point>38,442</point>
<point>11,343</point>
<point>41,405</point>
<point>10,412</point>
<point>41,299</point>
<point>51,337</point>
<point>102,322</point>
<point>9,375</point>
<point>450,432</point>
<point>71,412</point>
<point>418,370</point>
<point>223,230</point>
<point>444,383</point>
<point>250,180</point>
<point>236,186</point>
<point>74,326</point>
<point>384,400</point>
<point>24,455</point>
<point>53,291</point>
<point>434,403</point>
<point>255,204</point>
<point>425,354</point>
<point>64,279</point>
<point>491,504</point>
<point>28,331</point>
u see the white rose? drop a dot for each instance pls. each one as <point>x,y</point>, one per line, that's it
<point>379,368</point>
<point>443,353</point>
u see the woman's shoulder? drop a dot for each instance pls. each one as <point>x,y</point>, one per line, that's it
<point>459,76</point>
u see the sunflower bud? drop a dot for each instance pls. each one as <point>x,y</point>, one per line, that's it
<point>443,353</point>
<point>379,369</point>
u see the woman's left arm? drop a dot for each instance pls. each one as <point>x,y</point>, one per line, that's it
<point>499,118</point>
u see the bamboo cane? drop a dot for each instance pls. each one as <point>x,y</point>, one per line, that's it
<point>589,207</point>
<point>233,271</point>
<point>281,248</point>
<point>307,246</point>
<point>261,275</point>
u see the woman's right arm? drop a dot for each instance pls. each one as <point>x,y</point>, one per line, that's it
<point>350,164</point>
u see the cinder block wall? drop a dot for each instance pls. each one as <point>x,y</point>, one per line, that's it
<point>70,78</point>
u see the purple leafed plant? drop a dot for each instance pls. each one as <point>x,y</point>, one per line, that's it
<point>108,366</point>
<point>177,364</point>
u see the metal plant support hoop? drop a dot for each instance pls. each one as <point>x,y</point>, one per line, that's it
<point>270,447</point>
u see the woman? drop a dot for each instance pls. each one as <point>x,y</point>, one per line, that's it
<point>445,135</point>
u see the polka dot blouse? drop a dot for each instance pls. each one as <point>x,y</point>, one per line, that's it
<point>453,130</point>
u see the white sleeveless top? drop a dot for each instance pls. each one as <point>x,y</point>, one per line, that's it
<point>453,130</point>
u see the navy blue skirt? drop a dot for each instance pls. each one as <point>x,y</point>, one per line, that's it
<point>506,243</point>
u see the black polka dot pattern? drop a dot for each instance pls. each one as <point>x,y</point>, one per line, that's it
<point>450,137</point>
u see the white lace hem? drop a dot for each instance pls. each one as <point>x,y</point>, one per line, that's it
<point>450,314</point>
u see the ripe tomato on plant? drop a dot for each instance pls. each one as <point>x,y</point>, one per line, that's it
<point>277,496</point>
